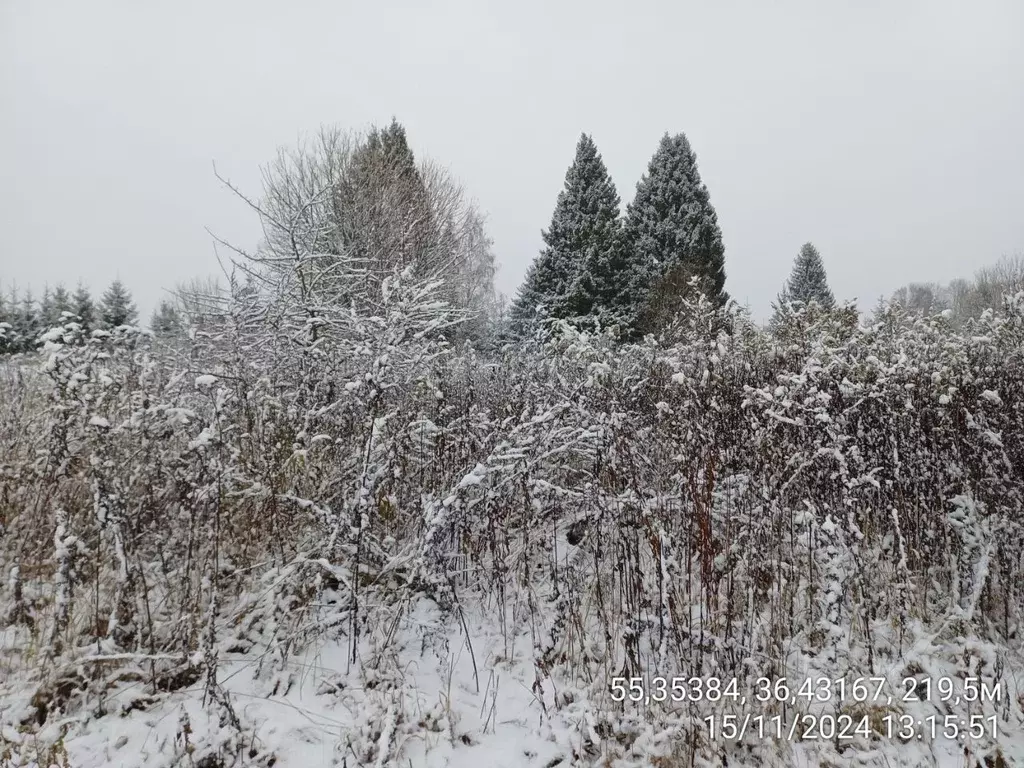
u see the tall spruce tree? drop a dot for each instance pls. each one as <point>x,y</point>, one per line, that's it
<point>419,244</point>
<point>672,228</point>
<point>578,275</point>
<point>808,281</point>
<point>386,216</point>
<point>394,146</point>
<point>117,307</point>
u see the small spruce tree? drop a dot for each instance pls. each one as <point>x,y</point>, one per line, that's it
<point>166,321</point>
<point>29,326</point>
<point>83,307</point>
<point>13,319</point>
<point>61,301</point>
<point>117,307</point>
<point>47,316</point>
<point>808,281</point>
<point>6,326</point>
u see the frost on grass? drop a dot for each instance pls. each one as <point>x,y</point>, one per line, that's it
<point>319,534</point>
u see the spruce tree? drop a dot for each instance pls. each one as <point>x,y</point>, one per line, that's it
<point>418,246</point>
<point>578,275</point>
<point>671,227</point>
<point>61,301</point>
<point>529,305</point>
<point>116,307</point>
<point>165,320</point>
<point>83,307</point>
<point>384,205</point>
<point>49,315</point>
<point>808,281</point>
<point>396,152</point>
<point>6,326</point>
<point>13,318</point>
<point>29,326</point>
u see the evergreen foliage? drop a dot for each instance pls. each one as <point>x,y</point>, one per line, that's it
<point>166,321</point>
<point>61,302</point>
<point>13,323</point>
<point>84,309</point>
<point>368,521</point>
<point>578,275</point>
<point>117,307</point>
<point>671,227</point>
<point>808,281</point>
<point>52,305</point>
<point>28,325</point>
<point>47,316</point>
<point>387,222</point>
<point>366,207</point>
<point>6,327</point>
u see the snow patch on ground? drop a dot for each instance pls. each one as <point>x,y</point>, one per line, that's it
<point>430,697</point>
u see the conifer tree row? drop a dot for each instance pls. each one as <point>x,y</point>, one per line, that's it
<point>23,317</point>
<point>632,273</point>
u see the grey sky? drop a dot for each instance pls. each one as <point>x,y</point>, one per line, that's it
<point>889,133</point>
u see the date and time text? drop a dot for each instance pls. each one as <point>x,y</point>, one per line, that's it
<point>886,721</point>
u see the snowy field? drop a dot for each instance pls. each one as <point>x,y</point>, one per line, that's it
<point>440,558</point>
<point>432,699</point>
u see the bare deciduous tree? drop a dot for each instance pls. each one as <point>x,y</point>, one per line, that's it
<point>360,203</point>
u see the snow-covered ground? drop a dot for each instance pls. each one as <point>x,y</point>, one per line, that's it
<point>404,556</point>
<point>423,693</point>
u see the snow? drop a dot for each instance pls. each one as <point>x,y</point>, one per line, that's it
<point>475,477</point>
<point>432,710</point>
<point>310,558</point>
<point>460,700</point>
<point>992,397</point>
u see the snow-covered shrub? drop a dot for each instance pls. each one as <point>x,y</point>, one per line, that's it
<point>825,500</point>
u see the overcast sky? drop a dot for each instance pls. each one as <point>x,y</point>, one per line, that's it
<point>890,133</point>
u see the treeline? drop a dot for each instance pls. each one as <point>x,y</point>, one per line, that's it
<point>360,204</point>
<point>364,208</point>
<point>962,299</point>
<point>24,318</point>
<point>636,271</point>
